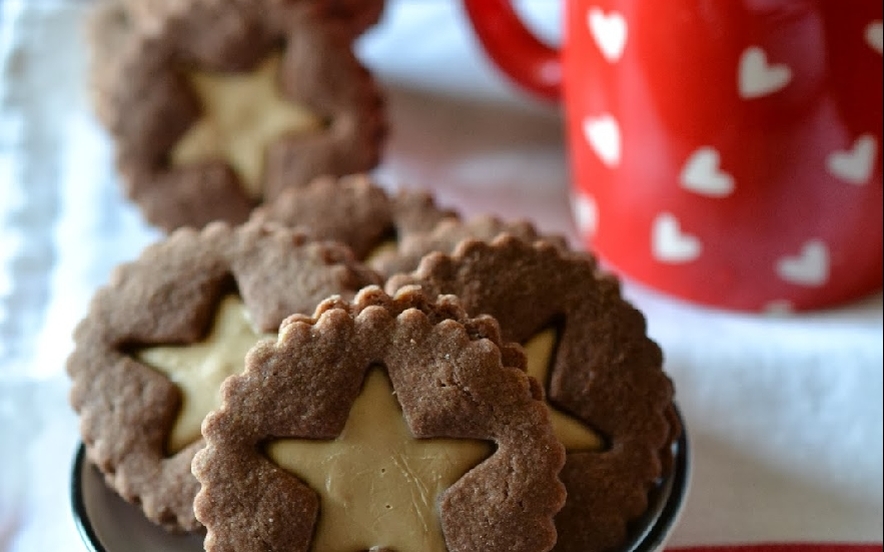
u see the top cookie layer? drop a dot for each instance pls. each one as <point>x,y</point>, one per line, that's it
<point>389,232</point>
<point>149,95</point>
<point>606,371</point>
<point>355,211</point>
<point>169,296</point>
<point>453,378</point>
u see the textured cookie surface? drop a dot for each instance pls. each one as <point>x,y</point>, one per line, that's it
<point>448,233</point>
<point>453,379</point>
<point>606,372</point>
<point>357,212</point>
<point>173,79</point>
<point>168,300</point>
<point>389,232</point>
<point>149,14</point>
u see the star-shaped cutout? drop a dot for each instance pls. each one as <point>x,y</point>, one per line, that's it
<point>571,432</point>
<point>198,369</point>
<point>378,485</point>
<point>243,114</point>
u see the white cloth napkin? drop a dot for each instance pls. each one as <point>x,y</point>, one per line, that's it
<point>784,414</point>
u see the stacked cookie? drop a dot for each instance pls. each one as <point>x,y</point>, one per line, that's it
<point>271,383</point>
<point>306,362</point>
<point>215,106</point>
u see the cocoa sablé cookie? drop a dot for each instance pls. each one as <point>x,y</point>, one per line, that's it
<point>390,232</point>
<point>448,233</point>
<point>149,14</point>
<point>355,211</point>
<point>605,372</point>
<point>175,321</point>
<point>315,388</point>
<point>215,106</point>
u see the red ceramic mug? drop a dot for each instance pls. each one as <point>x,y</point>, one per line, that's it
<point>724,151</point>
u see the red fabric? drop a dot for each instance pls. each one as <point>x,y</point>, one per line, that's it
<point>783,547</point>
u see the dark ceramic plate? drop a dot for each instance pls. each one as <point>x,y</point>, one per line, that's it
<point>109,524</point>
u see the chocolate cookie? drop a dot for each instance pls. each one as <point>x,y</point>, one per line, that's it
<point>390,233</point>
<point>216,106</point>
<point>360,15</point>
<point>109,28</point>
<point>355,211</point>
<point>454,399</point>
<point>168,328</point>
<point>149,14</point>
<point>448,233</point>
<point>605,372</point>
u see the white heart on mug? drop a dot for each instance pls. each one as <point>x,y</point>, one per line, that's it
<point>609,32</point>
<point>586,213</point>
<point>757,78</point>
<point>854,165</point>
<point>701,174</point>
<point>809,268</point>
<point>669,244</point>
<point>603,135</point>
<point>875,36</point>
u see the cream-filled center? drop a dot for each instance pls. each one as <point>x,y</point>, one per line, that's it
<point>570,431</point>
<point>243,113</point>
<point>378,485</point>
<point>198,369</point>
<point>383,249</point>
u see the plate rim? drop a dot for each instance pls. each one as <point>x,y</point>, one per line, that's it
<point>660,531</point>
<point>655,536</point>
<point>81,517</point>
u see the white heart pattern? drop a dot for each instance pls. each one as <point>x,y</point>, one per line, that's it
<point>875,36</point>
<point>603,135</point>
<point>669,244</point>
<point>609,32</point>
<point>854,165</point>
<point>586,213</point>
<point>810,268</point>
<point>757,78</point>
<point>701,174</point>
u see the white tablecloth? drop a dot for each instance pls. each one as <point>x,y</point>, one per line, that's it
<point>784,414</point>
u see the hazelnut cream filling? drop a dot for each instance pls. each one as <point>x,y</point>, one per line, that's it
<point>378,485</point>
<point>243,114</point>
<point>383,249</point>
<point>198,369</point>
<point>570,431</point>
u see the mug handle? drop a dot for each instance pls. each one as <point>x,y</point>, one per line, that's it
<point>514,48</point>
